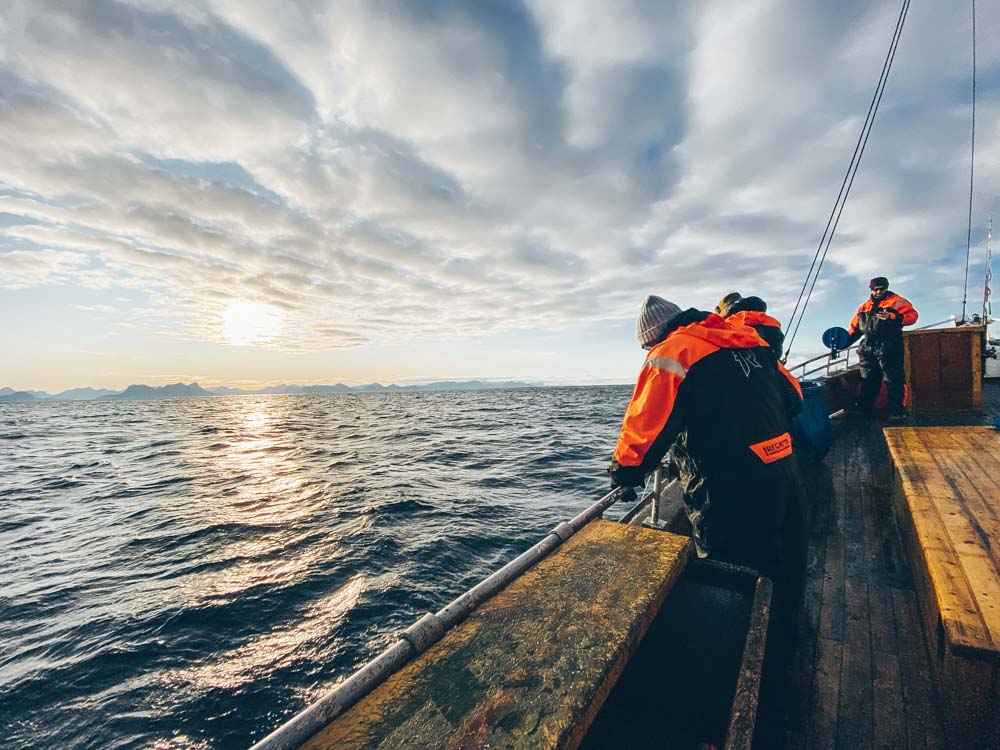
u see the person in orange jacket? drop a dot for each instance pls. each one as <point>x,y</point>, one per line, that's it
<point>718,399</point>
<point>716,396</point>
<point>880,320</point>
<point>752,311</point>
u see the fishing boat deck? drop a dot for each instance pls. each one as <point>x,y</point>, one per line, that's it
<point>862,676</point>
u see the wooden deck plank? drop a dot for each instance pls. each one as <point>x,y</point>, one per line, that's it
<point>855,565</point>
<point>982,500</point>
<point>923,720</point>
<point>885,639</point>
<point>953,544</point>
<point>879,693</point>
<point>979,557</point>
<point>871,537</point>
<point>879,534</point>
<point>940,531</point>
<point>820,707</point>
<point>855,712</point>
<point>975,481</point>
<point>887,700</point>
<point>893,568</point>
<point>823,723</point>
<point>947,494</point>
<point>832,608</point>
<point>832,611</point>
<point>531,666</point>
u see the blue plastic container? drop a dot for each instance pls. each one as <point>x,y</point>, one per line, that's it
<point>811,433</point>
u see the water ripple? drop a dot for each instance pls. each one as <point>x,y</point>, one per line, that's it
<point>186,573</point>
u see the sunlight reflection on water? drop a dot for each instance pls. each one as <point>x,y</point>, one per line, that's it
<point>235,667</point>
<point>187,573</point>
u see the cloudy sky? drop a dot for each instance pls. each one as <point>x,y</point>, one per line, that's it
<point>257,192</point>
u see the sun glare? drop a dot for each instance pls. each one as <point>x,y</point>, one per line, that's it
<point>245,322</point>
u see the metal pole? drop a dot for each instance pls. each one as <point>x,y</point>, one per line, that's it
<point>424,633</point>
<point>987,306</point>
<point>654,513</point>
<point>972,164</point>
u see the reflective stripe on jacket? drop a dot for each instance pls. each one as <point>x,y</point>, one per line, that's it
<point>722,386</point>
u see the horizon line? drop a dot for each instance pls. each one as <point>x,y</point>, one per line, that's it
<point>404,383</point>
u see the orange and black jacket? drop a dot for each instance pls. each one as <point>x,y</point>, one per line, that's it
<point>767,327</point>
<point>881,334</point>
<point>720,389</point>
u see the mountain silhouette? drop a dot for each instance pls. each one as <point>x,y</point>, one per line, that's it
<point>174,390</point>
<point>140,391</point>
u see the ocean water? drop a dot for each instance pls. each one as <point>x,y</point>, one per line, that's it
<point>191,573</point>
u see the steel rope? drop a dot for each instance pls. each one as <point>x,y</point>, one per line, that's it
<point>848,181</point>
<point>972,164</point>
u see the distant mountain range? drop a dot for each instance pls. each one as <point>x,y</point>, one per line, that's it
<point>193,390</point>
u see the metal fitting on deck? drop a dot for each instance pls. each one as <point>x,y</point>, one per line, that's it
<point>424,633</point>
<point>564,531</point>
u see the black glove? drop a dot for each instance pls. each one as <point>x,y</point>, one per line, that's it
<point>626,476</point>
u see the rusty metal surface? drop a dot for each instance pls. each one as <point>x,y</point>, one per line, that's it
<point>531,667</point>
<point>425,632</point>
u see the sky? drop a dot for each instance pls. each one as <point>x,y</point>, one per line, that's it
<point>304,192</point>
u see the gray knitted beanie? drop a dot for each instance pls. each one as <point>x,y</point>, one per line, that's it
<point>655,315</point>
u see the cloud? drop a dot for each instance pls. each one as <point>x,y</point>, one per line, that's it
<point>23,269</point>
<point>384,171</point>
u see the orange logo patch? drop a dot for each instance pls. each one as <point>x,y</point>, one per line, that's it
<point>773,449</point>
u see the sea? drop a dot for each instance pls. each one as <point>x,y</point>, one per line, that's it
<point>190,573</point>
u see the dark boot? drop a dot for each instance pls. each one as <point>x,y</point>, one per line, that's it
<point>871,382</point>
<point>891,362</point>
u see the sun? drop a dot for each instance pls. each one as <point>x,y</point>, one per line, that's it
<point>246,322</point>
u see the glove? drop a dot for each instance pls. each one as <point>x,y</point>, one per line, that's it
<point>625,476</point>
<point>891,314</point>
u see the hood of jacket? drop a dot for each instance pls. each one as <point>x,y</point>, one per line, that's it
<point>712,328</point>
<point>754,318</point>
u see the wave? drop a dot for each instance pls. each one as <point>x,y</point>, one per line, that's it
<point>188,571</point>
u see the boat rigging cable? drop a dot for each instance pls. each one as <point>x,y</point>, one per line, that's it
<point>972,163</point>
<point>845,186</point>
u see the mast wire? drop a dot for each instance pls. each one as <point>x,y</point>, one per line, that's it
<point>845,186</point>
<point>972,164</point>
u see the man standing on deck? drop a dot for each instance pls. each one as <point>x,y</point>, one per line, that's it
<point>880,319</point>
<point>752,311</point>
<point>717,397</point>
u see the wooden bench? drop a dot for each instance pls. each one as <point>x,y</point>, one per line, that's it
<point>948,498</point>
<point>532,666</point>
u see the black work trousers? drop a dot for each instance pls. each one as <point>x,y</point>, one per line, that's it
<point>761,525</point>
<point>780,554</point>
<point>885,363</point>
